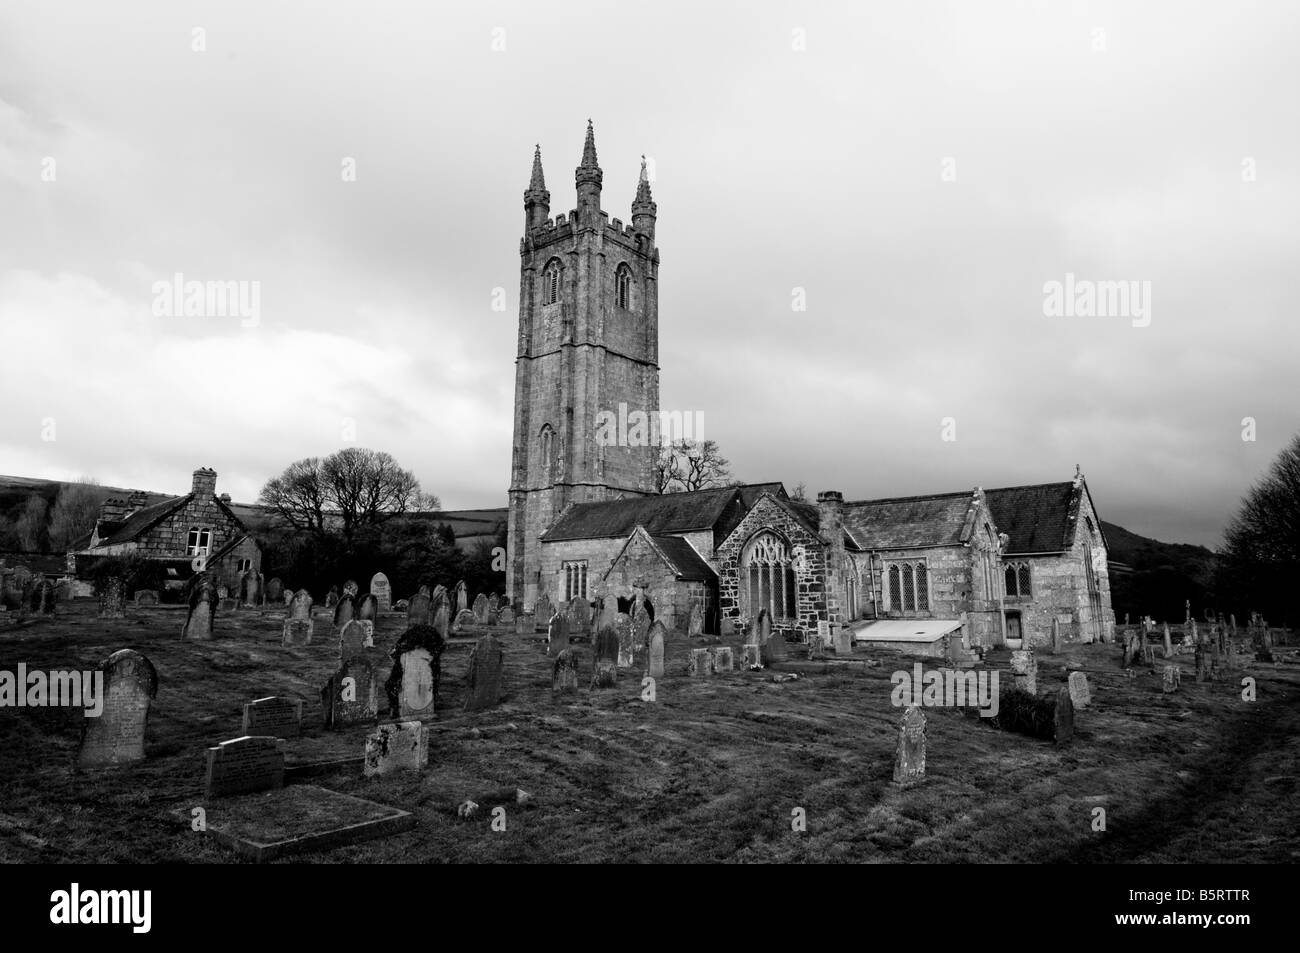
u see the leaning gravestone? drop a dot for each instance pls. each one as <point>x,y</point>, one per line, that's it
<point>243,765</point>
<point>626,648</point>
<point>909,763</point>
<point>657,634</point>
<point>117,735</point>
<point>1172,680</point>
<point>368,608</point>
<point>419,610</point>
<point>275,715</point>
<point>695,621</point>
<point>400,746</point>
<point>275,590</point>
<point>351,696</point>
<point>485,664</point>
<point>112,598</point>
<point>382,591</point>
<point>606,645</point>
<point>412,686</point>
<point>203,610</point>
<point>557,634</point>
<point>344,612</point>
<point>564,674</point>
<point>1080,696</point>
<point>354,639</point>
<point>723,659</point>
<point>1024,670</point>
<point>481,609</point>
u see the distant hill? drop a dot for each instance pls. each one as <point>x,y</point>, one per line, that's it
<point>1149,577</point>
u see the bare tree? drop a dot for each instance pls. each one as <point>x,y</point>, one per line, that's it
<point>75,510</point>
<point>668,472</point>
<point>1262,542</point>
<point>32,527</point>
<point>693,465</point>
<point>800,493</point>
<point>350,489</point>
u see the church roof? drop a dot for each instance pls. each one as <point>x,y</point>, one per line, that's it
<point>1038,518</point>
<point>685,560</point>
<point>661,515</point>
<point>910,521</point>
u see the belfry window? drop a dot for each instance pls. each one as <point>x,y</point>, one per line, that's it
<point>551,283</point>
<point>623,287</point>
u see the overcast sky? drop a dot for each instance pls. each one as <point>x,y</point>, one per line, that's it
<point>921,170</point>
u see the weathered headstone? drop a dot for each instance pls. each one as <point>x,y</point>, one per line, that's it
<point>909,763</point>
<point>355,638</point>
<point>606,646</point>
<point>723,659</point>
<point>1202,663</point>
<point>481,609</point>
<point>626,649</point>
<point>275,590</point>
<point>223,592</point>
<point>657,634</point>
<point>542,609</point>
<point>494,602</point>
<point>344,612</point>
<point>1024,670</point>
<point>297,632</point>
<point>300,605</point>
<point>382,591</point>
<point>440,606</point>
<point>1169,646</point>
<point>117,735</point>
<point>1062,716</point>
<point>816,647</point>
<point>332,597</point>
<point>564,674</point>
<point>485,665</point>
<point>763,627</point>
<point>462,596</point>
<point>419,610</point>
<point>727,628</point>
<point>250,590</point>
<point>640,638</point>
<point>146,597</point>
<point>701,662</point>
<point>351,696</point>
<point>112,598</point>
<point>506,616</point>
<point>774,649</point>
<point>843,640</point>
<point>579,611</point>
<point>202,612</point>
<point>368,607</point>
<point>1080,695</point>
<point>557,634</point>
<point>695,620</point>
<point>463,618</point>
<point>412,686</point>
<point>244,764</point>
<point>398,746</point>
<point>1172,679</point>
<point>287,596</point>
<point>274,715</point>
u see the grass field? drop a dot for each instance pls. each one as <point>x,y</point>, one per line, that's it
<point>709,772</point>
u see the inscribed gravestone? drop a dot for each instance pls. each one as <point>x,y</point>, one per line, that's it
<point>494,603</point>
<point>117,735</point>
<point>657,633</point>
<point>640,637</point>
<point>419,611</point>
<point>564,674</point>
<point>368,608</point>
<point>344,612</point>
<point>702,662</point>
<point>606,646</point>
<point>485,664</point>
<point>244,764</point>
<point>1024,670</point>
<point>909,763</point>
<point>274,715</point>
<point>1080,695</point>
<point>202,612</point>
<point>1172,679</point>
<point>401,746</point>
<point>626,649</point>
<point>412,686</point>
<point>774,649</point>
<point>816,647</point>
<point>112,598</point>
<point>382,591</point>
<point>355,638</point>
<point>300,605</point>
<point>843,640</point>
<point>480,609</point>
<point>751,656</point>
<point>351,696</point>
<point>506,616</point>
<point>543,609</point>
<point>723,659</point>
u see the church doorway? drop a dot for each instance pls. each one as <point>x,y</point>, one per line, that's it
<point>1014,638</point>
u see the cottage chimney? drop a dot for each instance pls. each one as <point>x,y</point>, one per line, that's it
<point>112,510</point>
<point>136,502</point>
<point>205,483</point>
<point>830,512</point>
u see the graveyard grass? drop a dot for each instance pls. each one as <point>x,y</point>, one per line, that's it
<point>709,772</point>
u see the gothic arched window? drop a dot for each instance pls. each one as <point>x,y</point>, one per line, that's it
<point>769,573</point>
<point>623,287</point>
<point>551,283</point>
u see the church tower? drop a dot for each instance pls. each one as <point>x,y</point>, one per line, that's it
<point>588,349</point>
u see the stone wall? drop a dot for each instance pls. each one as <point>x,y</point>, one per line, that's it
<point>672,598</point>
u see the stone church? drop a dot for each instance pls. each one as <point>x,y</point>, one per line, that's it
<point>986,567</point>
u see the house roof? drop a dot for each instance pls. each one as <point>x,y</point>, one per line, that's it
<point>144,519</point>
<point>1037,518</point>
<point>910,521</point>
<point>661,515</point>
<point>684,559</point>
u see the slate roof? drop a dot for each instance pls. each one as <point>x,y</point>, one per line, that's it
<point>685,560</point>
<point>144,519</point>
<point>1037,518</point>
<point>661,515</point>
<point>909,522</point>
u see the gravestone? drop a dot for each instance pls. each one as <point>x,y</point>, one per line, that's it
<point>300,604</point>
<point>494,603</point>
<point>579,611</point>
<point>412,686</point>
<point>399,746</point>
<point>251,593</point>
<point>297,632</point>
<point>355,638</point>
<point>480,609</point>
<point>368,608</point>
<point>763,627</point>
<point>695,620</point>
<point>117,735</point>
<point>332,597</point>
<point>419,611</point>
<point>723,659</point>
<point>401,605</point>
<point>774,649</point>
<point>202,612</point>
<point>909,762</point>
<point>45,595</point>
<point>1080,695</point>
<point>462,596</point>
<point>543,609</point>
<point>816,647</point>
<point>843,640</point>
<point>1169,646</point>
<point>223,592</point>
<point>441,609</point>
<point>657,634</point>
<point>287,596</point>
<point>463,618</point>
<point>243,765</point>
<point>557,634</point>
<point>351,589</point>
<point>227,605</point>
<point>1062,716</point>
<point>564,674</point>
<point>492,618</point>
<point>506,616</point>
<point>727,628</point>
<point>1172,679</point>
<point>1024,670</point>
<point>275,590</point>
<point>146,597</point>
<point>606,648</point>
<point>351,695</point>
<point>701,662</point>
<point>751,656</point>
<point>344,612</point>
<point>276,715</point>
<point>382,591</point>
<point>626,648</point>
<point>1202,663</point>
<point>640,638</point>
<point>485,664</point>
<point>112,598</point>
